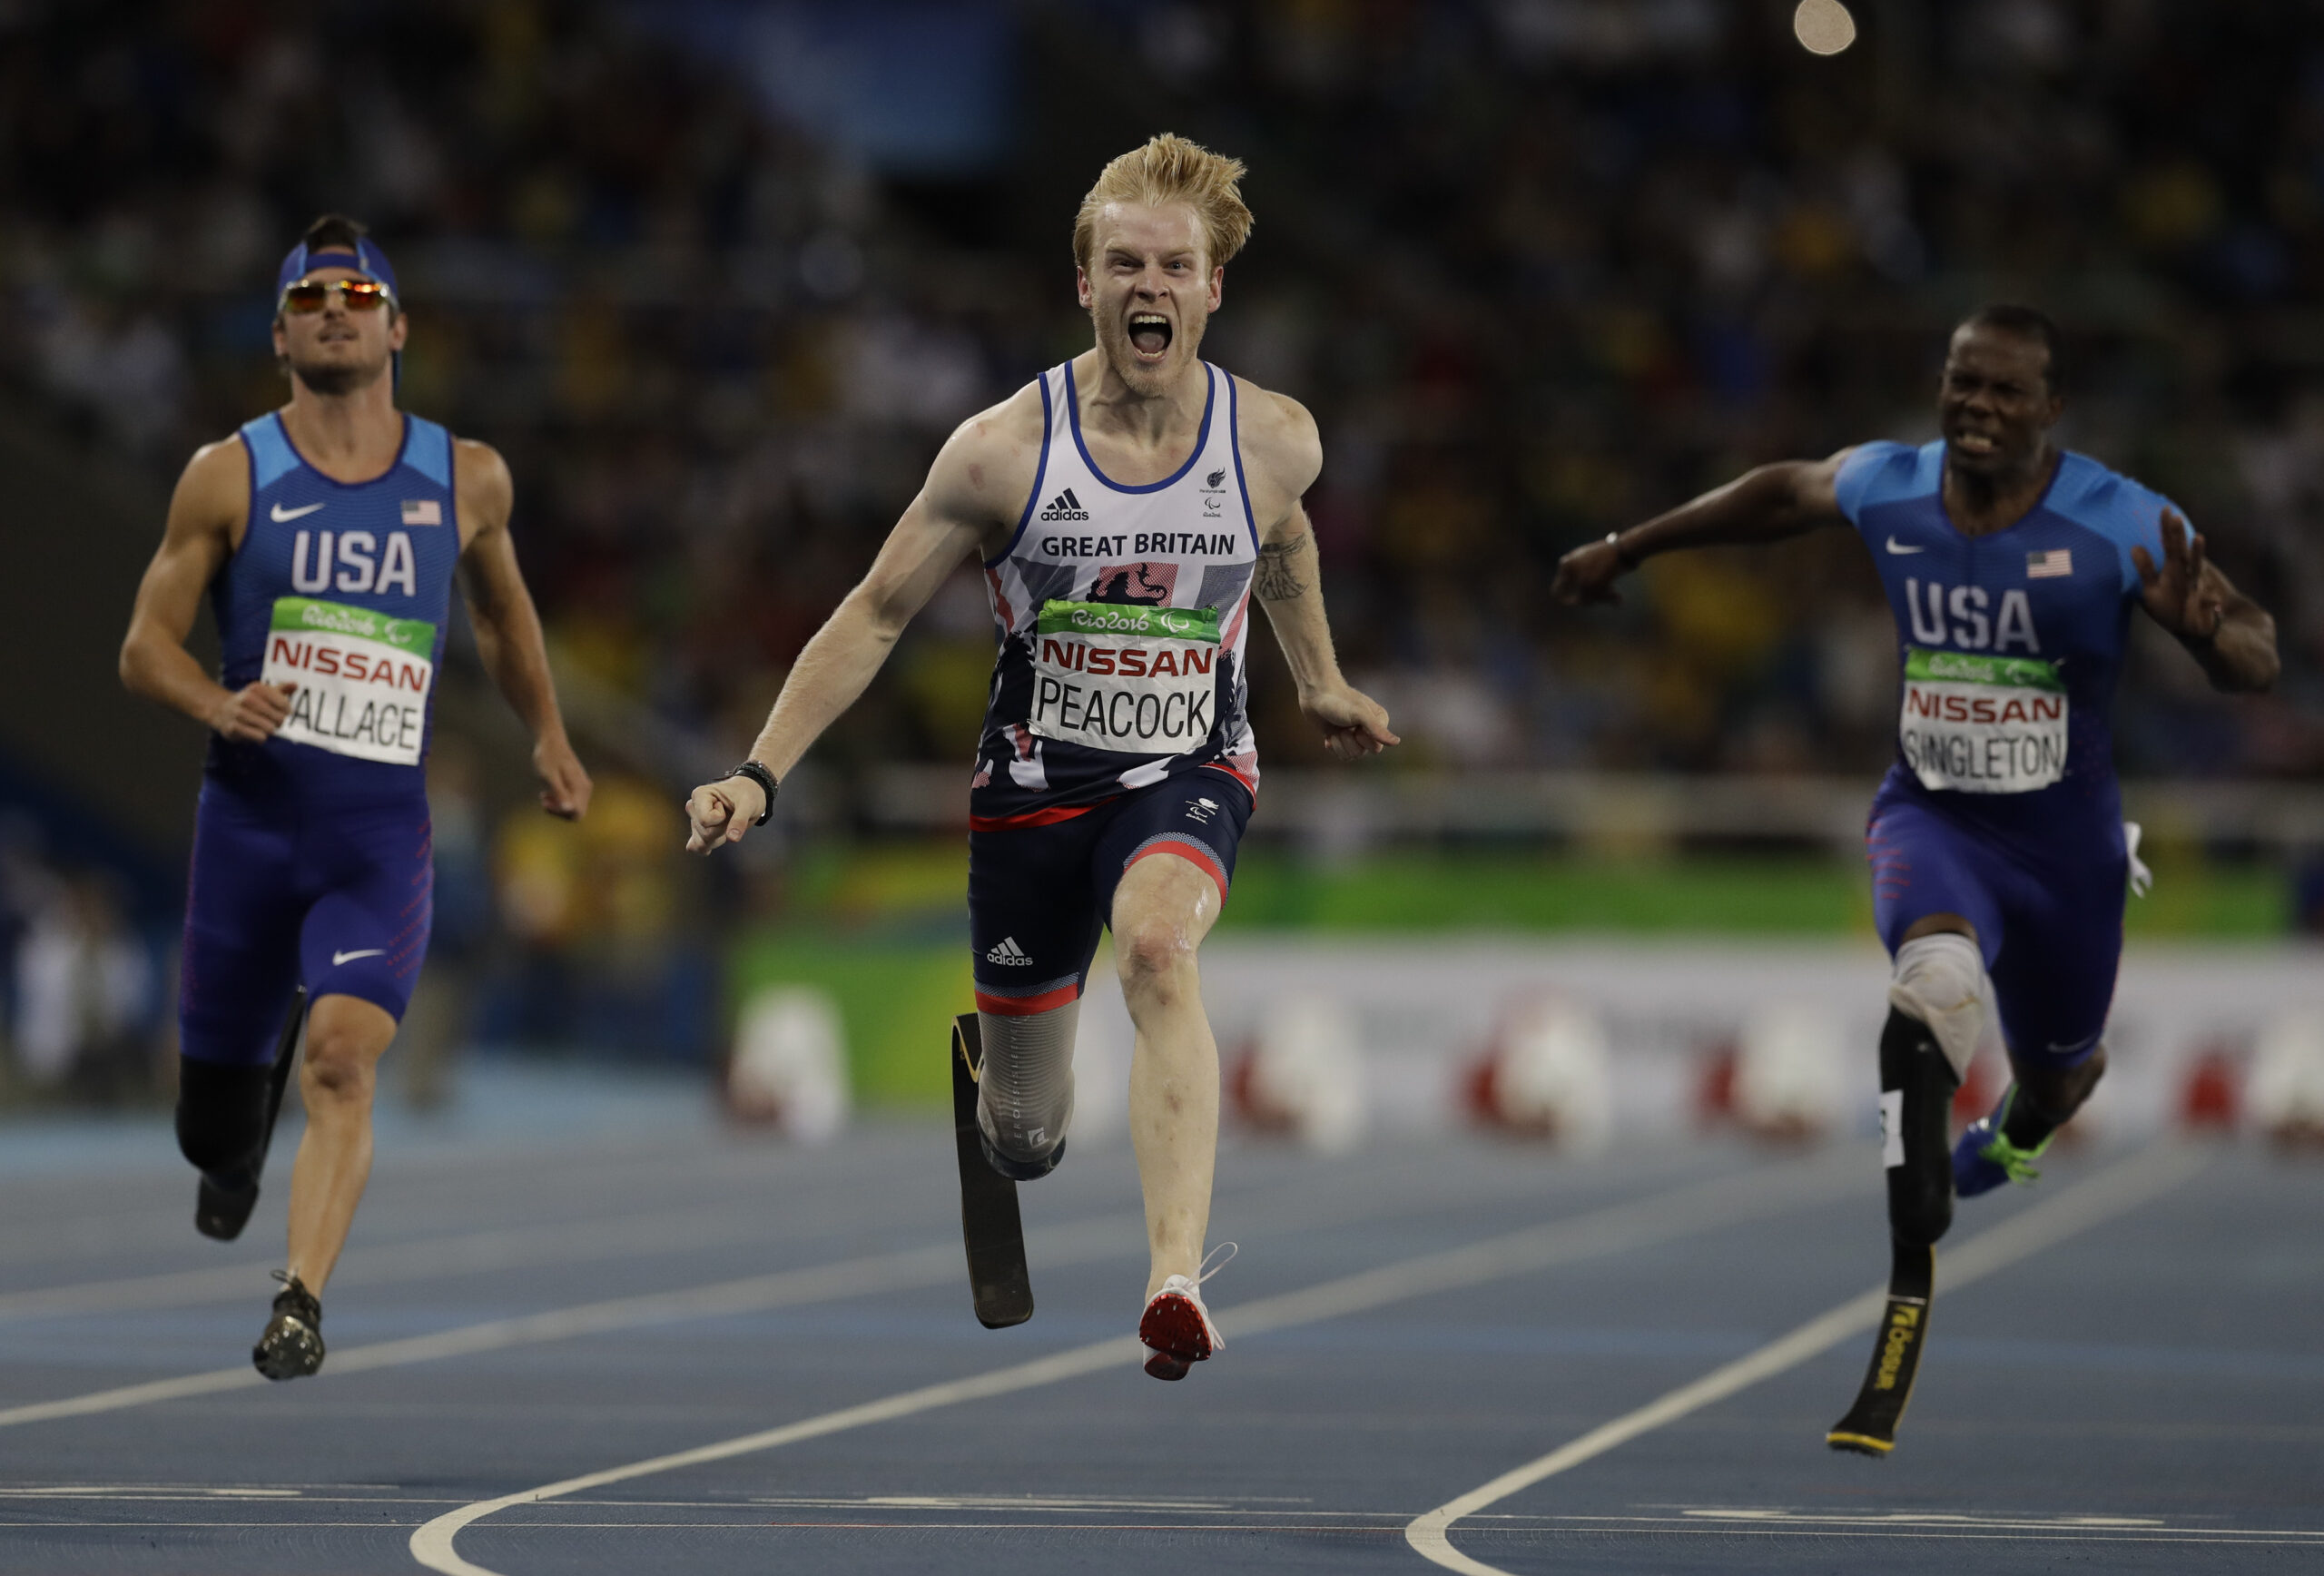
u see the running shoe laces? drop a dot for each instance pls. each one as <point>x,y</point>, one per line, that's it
<point>1177,1328</point>
<point>2017,1163</point>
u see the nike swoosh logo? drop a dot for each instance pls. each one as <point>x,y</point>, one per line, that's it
<point>1894,546</point>
<point>278,514</point>
<point>338,958</point>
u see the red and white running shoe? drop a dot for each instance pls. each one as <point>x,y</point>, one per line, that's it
<point>1177,1327</point>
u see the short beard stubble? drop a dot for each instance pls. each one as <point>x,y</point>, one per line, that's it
<point>334,380</point>
<point>1147,382</point>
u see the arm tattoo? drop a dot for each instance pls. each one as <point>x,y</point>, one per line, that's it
<point>1277,577</point>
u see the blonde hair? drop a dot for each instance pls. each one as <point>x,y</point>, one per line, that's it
<point>1170,169</point>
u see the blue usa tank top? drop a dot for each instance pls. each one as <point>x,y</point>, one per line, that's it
<point>342,589</point>
<point>2010,643</point>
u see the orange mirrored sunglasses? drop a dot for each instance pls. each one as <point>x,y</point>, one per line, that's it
<point>361,295</point>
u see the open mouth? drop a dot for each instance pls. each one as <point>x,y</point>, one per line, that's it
<point>1149,335</point>
<point>1972,442</point>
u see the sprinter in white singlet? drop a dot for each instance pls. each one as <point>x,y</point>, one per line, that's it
<point>1127,507</point>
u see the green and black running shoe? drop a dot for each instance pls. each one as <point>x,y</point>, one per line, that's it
<point>292,1344</point>
<point>1983,1157</point>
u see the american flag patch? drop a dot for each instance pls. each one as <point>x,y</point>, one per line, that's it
<point>2055,563</point>
<point>422,512</point>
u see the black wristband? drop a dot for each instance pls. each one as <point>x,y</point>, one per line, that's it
<point>765,780</point>
<point>1614,540</point>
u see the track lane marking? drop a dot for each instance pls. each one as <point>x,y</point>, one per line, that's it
<point>1386,1529</point>
<point>2115,1191</point>
<point>1077,1242</point>
<point>1722,1200</point>
<point>902,1270</point>
<point>497,1247</point>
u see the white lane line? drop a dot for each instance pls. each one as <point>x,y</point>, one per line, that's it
<point>2114,1191</point>
<point>902,1270</point>
<point>493,1249</point>
<point>1697,1207</point>
<point>503,1248</point>
<point>1083,1529</point>
<point>1066,1243</point>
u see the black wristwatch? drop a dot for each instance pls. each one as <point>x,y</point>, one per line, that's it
<point>764,779</point>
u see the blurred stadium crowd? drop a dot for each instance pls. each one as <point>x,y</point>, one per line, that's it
<point>1540,267</point>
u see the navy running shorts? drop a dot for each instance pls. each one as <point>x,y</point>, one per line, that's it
<point>2050,928</point>
<point>288,890</point>
<point>1039,895</point>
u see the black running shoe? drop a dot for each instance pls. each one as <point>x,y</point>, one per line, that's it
<point>220,1212</point>
<point>292,1344</point>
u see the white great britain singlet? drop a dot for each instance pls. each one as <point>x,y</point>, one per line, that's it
<point>1122,614</point>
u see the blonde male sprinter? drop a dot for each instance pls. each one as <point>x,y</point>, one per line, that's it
<point>326,536</point>
<point>1126,508</point>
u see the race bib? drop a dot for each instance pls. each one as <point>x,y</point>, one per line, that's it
<point>1983,724</point>
<point>363,678</point>
<point>1138,680</point>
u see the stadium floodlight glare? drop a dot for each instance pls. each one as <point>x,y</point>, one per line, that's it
<point>1823,26</point>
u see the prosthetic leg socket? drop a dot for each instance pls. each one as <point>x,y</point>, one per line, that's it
<point>1917,1086</point>
<point>1025,1090</point>
<point>1941,979</point>
<point>221,1119</point>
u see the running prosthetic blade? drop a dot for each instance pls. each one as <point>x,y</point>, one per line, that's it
<point>999,1281</point>
<point>1870,1426</point>
<point>219,1211</point>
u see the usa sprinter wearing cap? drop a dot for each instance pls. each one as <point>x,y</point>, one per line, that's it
<point>327,535</point>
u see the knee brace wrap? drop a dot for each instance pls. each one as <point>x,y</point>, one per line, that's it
<point>221,1117</point>
<point>1916,1085</point>
<point>1025,1090</point>
<point>1941,980</point>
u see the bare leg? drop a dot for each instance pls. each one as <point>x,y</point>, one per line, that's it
<point>1163,909</point>
<point>346,1036</point>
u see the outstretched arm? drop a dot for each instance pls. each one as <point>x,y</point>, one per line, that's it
<point>509,628</point>
<point>1766,505</point>
<point>2231,636</point>
<point>212,497</point>
<point>942,525</point>
<point>1289,582</point>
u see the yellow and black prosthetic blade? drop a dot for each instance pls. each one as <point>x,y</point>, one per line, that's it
<point>1870,1426</point>
<point>997,1279</point>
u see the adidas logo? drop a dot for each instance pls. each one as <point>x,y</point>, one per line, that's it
<point>1011,953</point>
<point>1064,506</point>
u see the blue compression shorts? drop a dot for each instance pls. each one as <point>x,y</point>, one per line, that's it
<point>1039,895</point>
<point>286,890</point>
<point>2050,928</point>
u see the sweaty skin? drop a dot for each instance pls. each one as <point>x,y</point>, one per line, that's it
<point>343,419</point>
<point>1996,409</point>
<point>1142,391</point>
